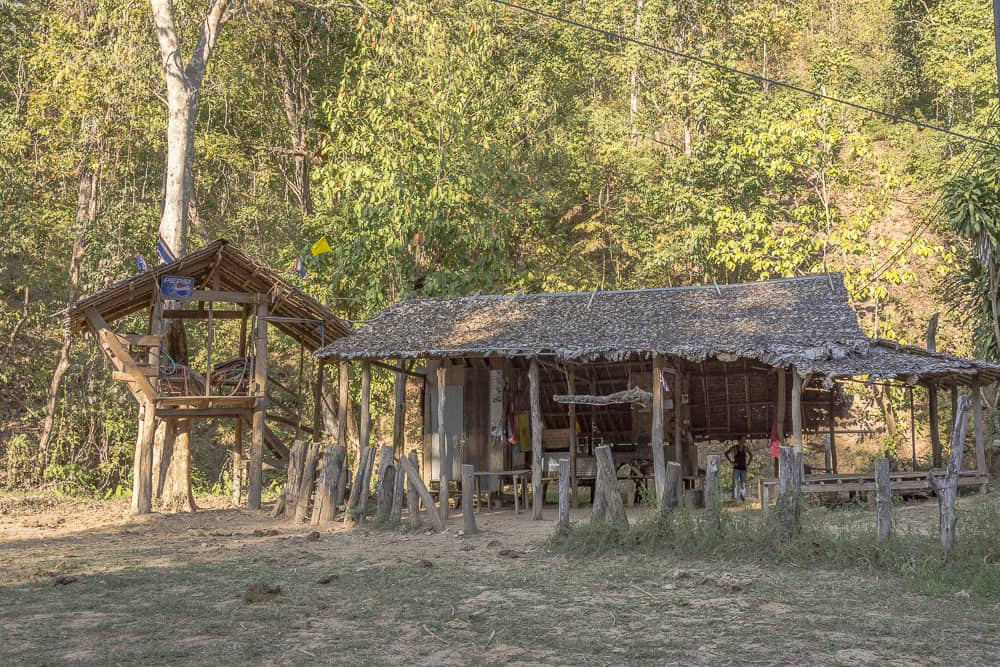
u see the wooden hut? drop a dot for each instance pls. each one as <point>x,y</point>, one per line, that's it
<point>518,380</point>
<point>215,283</point>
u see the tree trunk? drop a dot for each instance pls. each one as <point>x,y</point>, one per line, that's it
<point>86,213</point>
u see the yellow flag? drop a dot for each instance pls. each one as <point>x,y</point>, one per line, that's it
<point>320,247</point>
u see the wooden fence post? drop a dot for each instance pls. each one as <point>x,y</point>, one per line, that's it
<point>306,480</point>
<point>537,497</point>
<point>386,483</point>
<point>656,432</point>
<point>444,451</point>
<point>789,486</point>
<point>564,479</point>
<point>397,493</point>
<point>468,489</point>
<point>598,511</point>
<point>883,499</point>
<point>612,496</point>
<point>947,491</point>
<point>328,491</point>
<point>413,479</point>
<point>713,501</point>
<point>671,489</point>
<point>412,497</point>
<point>293,473</point>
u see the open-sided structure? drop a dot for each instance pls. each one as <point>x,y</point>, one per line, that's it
<point>513,380</point>
<point>215,283</point>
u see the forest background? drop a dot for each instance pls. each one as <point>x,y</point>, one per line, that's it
<point>451,147</point>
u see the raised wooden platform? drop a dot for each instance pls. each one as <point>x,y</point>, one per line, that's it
<point>854,483</point>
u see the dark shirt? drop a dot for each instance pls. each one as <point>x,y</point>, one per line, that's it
<point>738,457</point>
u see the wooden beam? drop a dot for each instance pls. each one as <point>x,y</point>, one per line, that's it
<point>222,297</point>
<point>115,351</point>
<point>537,501</point>
<point>255,468</point>
<point>203,413</point>
<point>656,433</point>
<point>185,314</point>
<point>444,457</point>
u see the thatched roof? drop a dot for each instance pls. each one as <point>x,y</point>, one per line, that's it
<point>221,264</point>
<point>777,321</point>
<point>804,322</point>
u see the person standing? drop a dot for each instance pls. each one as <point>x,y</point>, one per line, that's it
<point>740,457</point>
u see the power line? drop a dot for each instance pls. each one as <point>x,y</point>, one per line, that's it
<point>732,70</point>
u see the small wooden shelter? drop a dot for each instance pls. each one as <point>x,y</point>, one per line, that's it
<point>516,381</point>
<point>214,283</point>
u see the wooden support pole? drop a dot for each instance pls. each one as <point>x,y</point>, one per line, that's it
<point>789,486</point>
<point>947,489</point>
<point>412,497</point>
<point>573,436</point>
<point>364,435</point>
<point>255,479</point>
<point>713,496</point>
<point>468,489</point>
<point>399,412</point>
<point>613,504</point>
<point>414,481</point>
<point>444,451</point>
<point>935,425</point>
<point>386,483</point>
<point>343,395</point>
<point>537,500</point>
<point>913,429</point>
<point>977,423</point>
<point>678,417</point>
<point>672,486</point>
<point>656,432</point>
<point>328,490</point>
<point>565,475</point>
<point>317,395</point>
<point>883,499</point>
<point>142,467</point>
<point>796,410</point>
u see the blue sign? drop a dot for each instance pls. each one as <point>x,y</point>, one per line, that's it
<point>177,287</point>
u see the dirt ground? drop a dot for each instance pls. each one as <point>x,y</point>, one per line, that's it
<point>80,583</point>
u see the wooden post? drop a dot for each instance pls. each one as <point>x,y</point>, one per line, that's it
<point>831,426</point>
<point>672,485</point>
<point>142,466</point>
<point>306,481</point>
<point>414,481</point>
<point>317,392</point>
<point>656,434</point>
<point>364,435</point>
<point>598,509</point>
<point>255,479</point>
<point>386,483</point>
<point>935,424</point>
<point>612,497</point>
<point>796,410</point>
<point>713,500</point>
<point>236,456</point>
<point>678,416</point>
<point>396,511</point>
<point>399,412</point>
<point>947,491</point>
<point>779,412</point>
<point>343,389</point>
<point>565,474</point>
<point>883,499</point>
<point>468,484</point>
<point>444,451</point>
<point>573,435</point>
<point>977,423</point>
<point>328,491</point>
<point>293,475</point>
<point>537,501</point>
<point>357,505</point>
<point>412,497</point>
<point>913,429</point>
<point>789,486</point>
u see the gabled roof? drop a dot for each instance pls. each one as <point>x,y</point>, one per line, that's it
<point>804,322</point>
<point>221,264</point>
<point>777,321</point>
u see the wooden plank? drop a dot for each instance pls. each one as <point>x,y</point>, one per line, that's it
<point>444,451</point>
<point>245,402</point>
<point>191,314</point>
<point>142,467</point>
<point>468,489</point>
<point>883,499</point>
<point>255,467</point>
<point>123,376</point>
<point>565,475</point>
<point>656,434</point>
<point>113,347</point>
<point>203,413</point>
<point>612,496</point>
<point>413,479</point>
<point>222,296</point>
<point>537,501</point>
<point>140,340</point>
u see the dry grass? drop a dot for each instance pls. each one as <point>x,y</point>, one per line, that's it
<point>173,590</point>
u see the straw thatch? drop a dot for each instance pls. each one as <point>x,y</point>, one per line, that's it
<point>220,266</point>
<point>802,322</point>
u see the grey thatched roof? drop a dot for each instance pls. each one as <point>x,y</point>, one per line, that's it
<point>803,322</point>
<point>778,322</point>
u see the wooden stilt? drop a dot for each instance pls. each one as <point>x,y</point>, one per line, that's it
<point>656,435</point>
<point>537,499</point>
<point>779,410</point>
<point>255,479</point>
<point>573,436</point>
<point>935,425</point>
<point>142,467</point>
<point>444,448</point>
<point>796,410</point>
<point>399,412</point>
